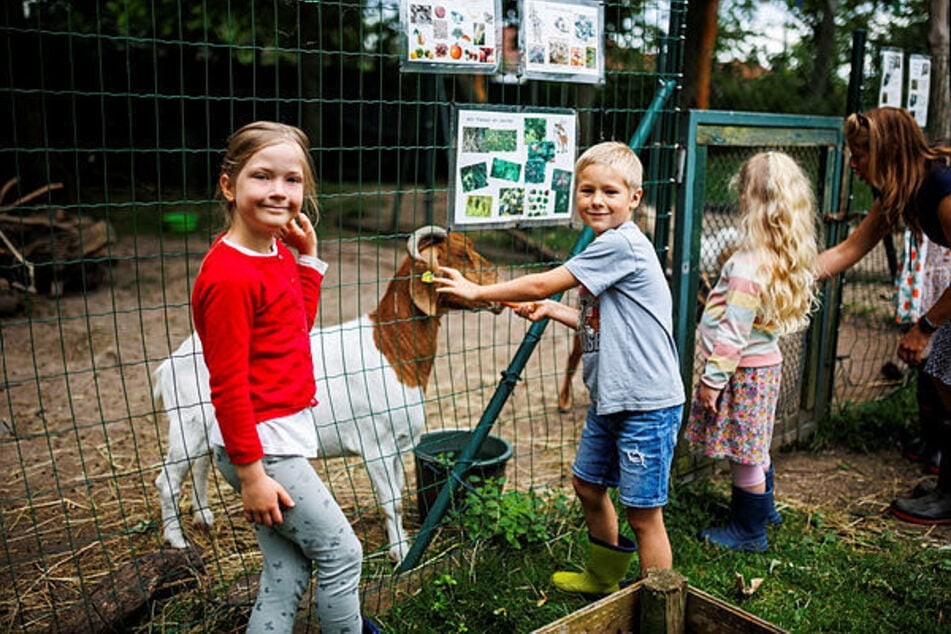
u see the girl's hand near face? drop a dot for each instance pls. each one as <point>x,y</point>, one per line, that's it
<point>299,233</point>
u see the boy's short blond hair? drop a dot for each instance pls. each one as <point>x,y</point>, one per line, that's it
<point>618,156</point>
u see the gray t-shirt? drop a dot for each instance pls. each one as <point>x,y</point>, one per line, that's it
<point>626,304</point>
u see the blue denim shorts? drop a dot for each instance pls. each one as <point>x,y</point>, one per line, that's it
<point>632,451</point>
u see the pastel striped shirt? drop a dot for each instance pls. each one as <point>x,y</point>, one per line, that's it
<point>731,333</point>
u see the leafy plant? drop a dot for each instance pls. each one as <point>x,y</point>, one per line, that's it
<point>515,518</point>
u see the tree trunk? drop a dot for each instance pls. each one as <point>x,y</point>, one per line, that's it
<point>825,48</point>
<point>939,121</point>
<point>698,60</point>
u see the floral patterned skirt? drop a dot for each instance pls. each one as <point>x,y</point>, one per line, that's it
<point>742,428</point>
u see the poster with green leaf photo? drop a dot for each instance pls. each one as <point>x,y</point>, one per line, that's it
<point>512,167</point>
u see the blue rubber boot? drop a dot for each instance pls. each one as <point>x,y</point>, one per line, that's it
<point>773,517</point>
<point>747,528</point>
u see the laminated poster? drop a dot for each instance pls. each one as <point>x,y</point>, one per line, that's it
<point>562,40</point>
<point>892,74</point>
<point>513,167</point>
<point>451,36</point>
<point>919,87</point>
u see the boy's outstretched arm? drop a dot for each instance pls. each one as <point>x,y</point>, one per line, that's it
<point>524,288</point>
<point>536,286</point>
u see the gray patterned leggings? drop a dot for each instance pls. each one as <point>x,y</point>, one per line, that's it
<point>315,530</point>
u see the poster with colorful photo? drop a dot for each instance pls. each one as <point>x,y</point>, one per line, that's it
<point>451,36</point>
<point>562,40</point>
<point>919,87</point>
<point>512,167</point>
<point>893,72</point>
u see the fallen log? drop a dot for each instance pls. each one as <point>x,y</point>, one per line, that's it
<point>115,603</point>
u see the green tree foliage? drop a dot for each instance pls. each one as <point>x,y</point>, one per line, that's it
<point>811,75</point>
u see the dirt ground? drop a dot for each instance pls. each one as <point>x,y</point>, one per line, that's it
<point>82,438</point>
<point>852,491</point>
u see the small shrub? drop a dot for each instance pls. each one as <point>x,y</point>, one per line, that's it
<point>517,518</point>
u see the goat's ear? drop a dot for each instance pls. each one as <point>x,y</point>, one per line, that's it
<point>421,287</point>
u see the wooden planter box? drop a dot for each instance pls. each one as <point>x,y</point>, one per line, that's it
<point>662,603</point>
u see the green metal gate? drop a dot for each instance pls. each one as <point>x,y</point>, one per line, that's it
<point>716,144</point>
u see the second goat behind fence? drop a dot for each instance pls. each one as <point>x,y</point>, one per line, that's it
<point>371,376</point>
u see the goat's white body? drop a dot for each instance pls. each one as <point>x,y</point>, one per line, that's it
<point>363,410</point>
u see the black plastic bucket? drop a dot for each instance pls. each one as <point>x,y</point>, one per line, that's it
<point>436,454</point>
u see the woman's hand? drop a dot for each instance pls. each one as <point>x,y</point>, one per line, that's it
<point>261,495</point>
<point>912,345</point>
<point>709,398</point>
<point>299,233</point>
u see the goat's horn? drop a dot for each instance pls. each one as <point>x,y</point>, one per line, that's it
<point>412,243</point>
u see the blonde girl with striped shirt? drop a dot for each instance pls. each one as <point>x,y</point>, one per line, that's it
<point>765,290</point>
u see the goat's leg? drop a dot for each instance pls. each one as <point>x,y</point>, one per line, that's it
<point>201,512</point>
<point>169,485</point>
<point>387,477</point>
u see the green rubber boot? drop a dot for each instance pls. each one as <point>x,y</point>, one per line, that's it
<point>607,565</point>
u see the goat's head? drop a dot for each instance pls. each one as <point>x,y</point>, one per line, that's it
<point>429,248</point>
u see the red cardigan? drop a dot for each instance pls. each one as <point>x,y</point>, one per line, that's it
<point>253,316</point>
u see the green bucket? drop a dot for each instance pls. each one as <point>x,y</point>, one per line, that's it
<point>436,454</point>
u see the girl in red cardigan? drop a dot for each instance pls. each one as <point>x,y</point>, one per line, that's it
<point>253,305</point>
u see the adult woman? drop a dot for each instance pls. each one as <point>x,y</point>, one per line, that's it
<point>912,184</point>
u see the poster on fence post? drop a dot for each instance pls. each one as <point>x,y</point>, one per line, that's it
<point>919,87</point>
<point>512,168</point>
<point>562,40</point>
<point>451,36</point>
<point>893,72</point>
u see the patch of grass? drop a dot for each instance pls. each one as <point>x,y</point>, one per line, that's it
<point>872,425</point>
<point>816,578</point>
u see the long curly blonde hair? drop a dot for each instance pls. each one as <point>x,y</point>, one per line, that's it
<point>778,225</point>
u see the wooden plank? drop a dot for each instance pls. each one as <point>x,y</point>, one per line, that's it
<point>710,615</point>
<point>663,602</point>
<point>616,612</point>
<point>623,612</point>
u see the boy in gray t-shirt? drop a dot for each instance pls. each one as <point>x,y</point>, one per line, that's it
<point>634,380</point>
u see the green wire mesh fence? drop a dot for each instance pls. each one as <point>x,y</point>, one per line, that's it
<point>116,115</point>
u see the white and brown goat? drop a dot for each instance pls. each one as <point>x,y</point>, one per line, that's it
<point>371,376</point>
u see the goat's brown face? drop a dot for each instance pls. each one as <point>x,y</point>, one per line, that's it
<point>457,251</point>
<point>461,255</point>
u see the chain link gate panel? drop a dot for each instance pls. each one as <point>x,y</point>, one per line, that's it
<point>706,224</point>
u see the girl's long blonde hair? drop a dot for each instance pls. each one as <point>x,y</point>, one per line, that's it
<point>778,225</point>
